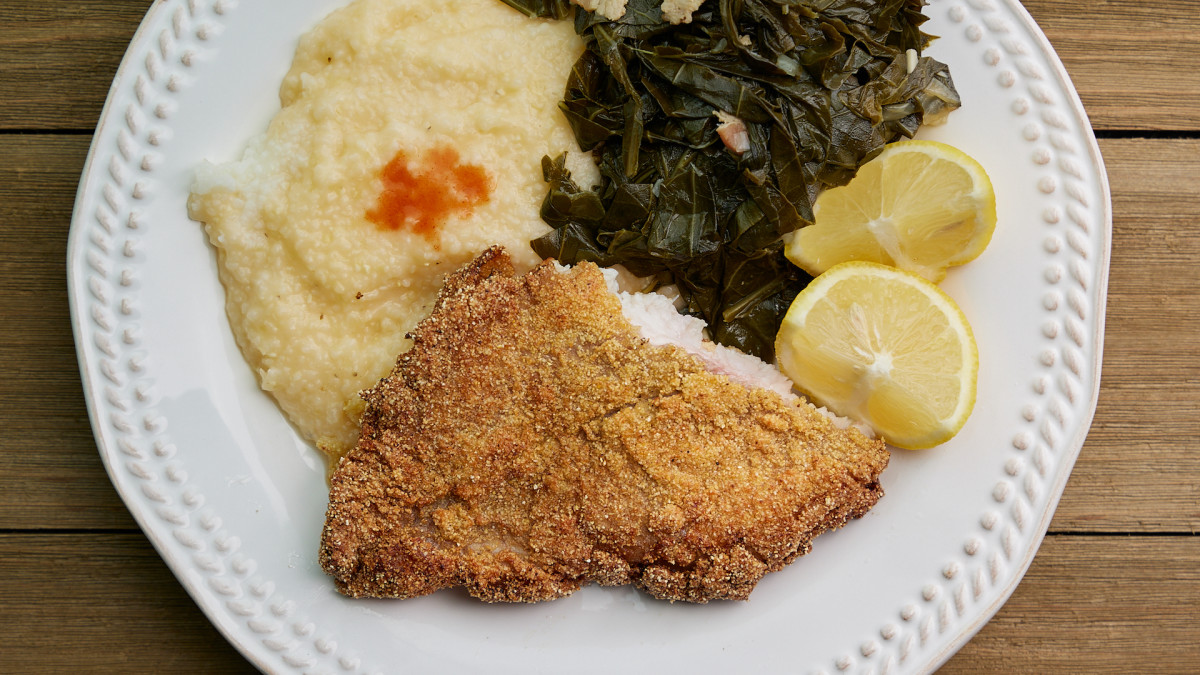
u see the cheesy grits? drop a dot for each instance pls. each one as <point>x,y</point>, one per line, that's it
<point>409,139</point>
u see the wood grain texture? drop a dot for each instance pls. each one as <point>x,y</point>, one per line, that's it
<point>1133,63</point>
<point>57,59</point>
<point>1114,587</point>
<point>1140,467</point>
<point>1096,605</point>
<point>101,603</point>
<point>50,473</point>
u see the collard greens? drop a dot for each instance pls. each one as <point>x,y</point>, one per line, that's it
<point>820,86</point>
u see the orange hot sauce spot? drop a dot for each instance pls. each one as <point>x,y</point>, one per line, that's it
<point>419,197</point>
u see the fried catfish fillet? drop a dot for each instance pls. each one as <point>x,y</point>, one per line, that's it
<point>531,442</point>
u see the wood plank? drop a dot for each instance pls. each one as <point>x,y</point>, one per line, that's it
<point>1096,605</point>
<point>51,475</point>
<point>106,603</point>
<point>1140,454</point>
<point>1133,63</point>
<point>58,58</point>
<point>101,603</point>
<point>1140,467</point>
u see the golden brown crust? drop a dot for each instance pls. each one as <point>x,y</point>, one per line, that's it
<point>531,442</point>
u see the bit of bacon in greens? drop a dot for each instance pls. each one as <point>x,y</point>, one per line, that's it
<point>714,137</point>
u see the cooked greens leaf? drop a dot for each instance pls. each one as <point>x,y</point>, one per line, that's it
<point>757,290</point>
<point>684,226</point>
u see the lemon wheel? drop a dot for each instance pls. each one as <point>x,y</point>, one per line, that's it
<point>885,347</point>
<point>921,206</point>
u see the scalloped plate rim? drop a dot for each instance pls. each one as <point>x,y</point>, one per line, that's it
<point>1077,442</point>
<point>254,651</point>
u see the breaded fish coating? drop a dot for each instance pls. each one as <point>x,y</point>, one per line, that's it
<point>532,442</point>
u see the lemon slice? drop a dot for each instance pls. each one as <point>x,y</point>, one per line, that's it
<point>884,347</point>
<point>921,206</point>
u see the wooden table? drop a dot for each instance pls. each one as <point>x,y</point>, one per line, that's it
<point>1114,588</point>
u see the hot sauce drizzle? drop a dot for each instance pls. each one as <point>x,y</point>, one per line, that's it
<point>420,198</point>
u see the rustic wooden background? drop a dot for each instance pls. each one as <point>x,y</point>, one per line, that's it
<point>1114,588</point>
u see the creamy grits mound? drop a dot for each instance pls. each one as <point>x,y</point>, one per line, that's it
<point>320,295</point>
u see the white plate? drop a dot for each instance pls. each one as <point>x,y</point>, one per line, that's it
<point>234,501</point>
